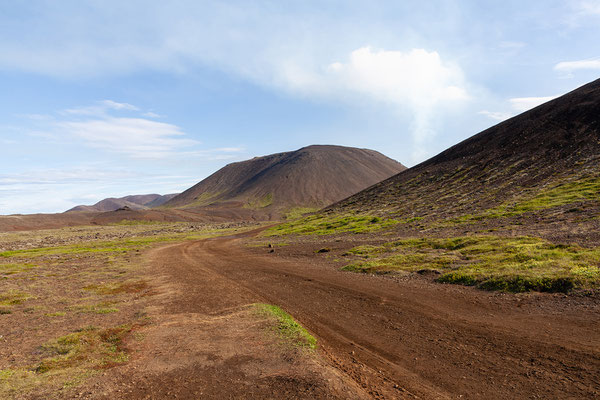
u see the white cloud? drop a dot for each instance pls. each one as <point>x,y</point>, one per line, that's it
<point>134,137</point>
<point>151,114</point>
<point>101,108</point>
<point>229,149</point>
<point>517,105</point>
<point>496,115</point>
<point>589,7</point>
<point>417,81</point>
<point>570,66</point>
<point>119,106</point>
<point>522,104</point>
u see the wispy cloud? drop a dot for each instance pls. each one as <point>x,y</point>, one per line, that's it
<point>496,115</point>
<point>151,114</point>
<point>517,105</point>
<point>101,108</point>
<point>568,67</point>
<point>102,126</point>
<point>134,137</point>
<point>589,7</point>
<point>522,104</point>
<point>119,106</point>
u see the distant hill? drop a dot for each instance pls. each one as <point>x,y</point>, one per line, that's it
<point>133,202</point>
<point>313,176</point>
<point>539,170</point>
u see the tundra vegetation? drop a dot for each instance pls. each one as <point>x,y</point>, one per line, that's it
<point>490,262</point>
<point>72,298</point>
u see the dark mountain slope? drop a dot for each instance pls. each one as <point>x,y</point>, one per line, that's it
<point>133,202</point>
<point>313,176</point>
<point>539,170</point>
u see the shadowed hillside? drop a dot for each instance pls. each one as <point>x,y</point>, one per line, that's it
<point>514,208</point>
<point>133,202</point>
<point>538,169</point>
<point>313,176</point>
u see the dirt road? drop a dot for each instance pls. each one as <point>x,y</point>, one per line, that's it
<point>410,339</point>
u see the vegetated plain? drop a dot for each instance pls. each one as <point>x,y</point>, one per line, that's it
<point>72,298</point>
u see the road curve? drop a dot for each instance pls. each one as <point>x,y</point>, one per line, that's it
<point>412,339</point>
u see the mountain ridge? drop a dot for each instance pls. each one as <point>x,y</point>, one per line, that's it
<point>313,176</point>
<point>133,202</point>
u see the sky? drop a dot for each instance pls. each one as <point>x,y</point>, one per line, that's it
<point>109,98</point>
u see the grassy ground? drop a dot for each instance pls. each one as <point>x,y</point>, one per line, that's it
<point>71,298</point>
<point>326,225</point>
<point>563,194</point>
<point>298,212</point>
<point>286,327</point>
<point>490,262</point>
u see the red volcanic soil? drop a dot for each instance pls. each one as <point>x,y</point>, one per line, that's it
<point>313,176</point>
<point>387,339</point>
<point>50,221</point>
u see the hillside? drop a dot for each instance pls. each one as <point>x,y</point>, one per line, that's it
<point>536,172</point>
<point>313,177</point>
<point>514,208</point>
<point>133,202</point>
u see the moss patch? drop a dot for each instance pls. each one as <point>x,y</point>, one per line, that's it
<point>68,360</point>
<point>327,225</point>
<point>11,269</point>
<point>263,202</point>
<point>298,212</point>
<point>584,189</point>
<point>90,347</point>
<point>286,327</point>
<point>13,297</point>
<point>490,262</point>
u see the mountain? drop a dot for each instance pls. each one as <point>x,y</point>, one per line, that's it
<point>133,202</point>
<point>312,176</point>
<point>539,171</point>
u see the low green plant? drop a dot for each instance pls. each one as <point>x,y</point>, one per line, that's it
<point>286,327</point>
<point>13,297</point>
<point>263,202</point>
<point>491,262</point>
<point>11,269</point>
<point>56,314</point>
<point>298,212</point>
<point>67,361</point>
<point>90,348</point>
<point>578,190</point>
<point>327,225</point>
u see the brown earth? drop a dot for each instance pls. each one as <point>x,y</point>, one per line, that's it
<point>379,337</point>
<point>313,176</point>
<point>233,213</point>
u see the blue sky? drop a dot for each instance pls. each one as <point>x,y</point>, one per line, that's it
<point>109,98</point>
